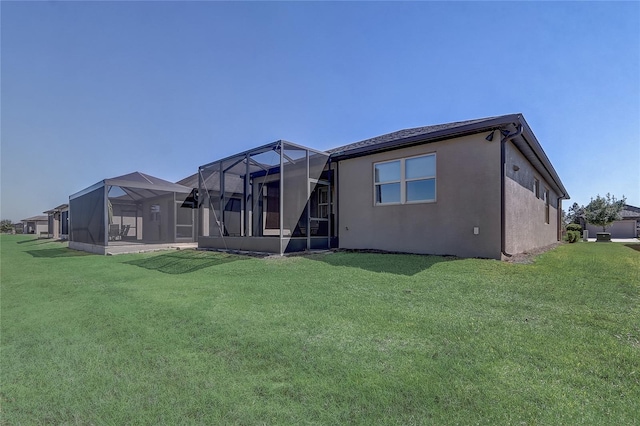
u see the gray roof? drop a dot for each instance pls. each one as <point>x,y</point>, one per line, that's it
<point>630,212</point>
<point>57,209</point>
<point>146,186</point>
<point>406,134</point>
<point>40,218</point>
<point>144,181</point>
<point>526,142</point>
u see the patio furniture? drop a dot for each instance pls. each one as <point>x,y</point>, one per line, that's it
<point>114,231</point>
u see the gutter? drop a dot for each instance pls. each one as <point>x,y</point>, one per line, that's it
<point>559,218</point>
<point>435,136</point>
<point>334,205</point>
<point>503,238</point>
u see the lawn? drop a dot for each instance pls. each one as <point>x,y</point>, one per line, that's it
<point>188,337</point>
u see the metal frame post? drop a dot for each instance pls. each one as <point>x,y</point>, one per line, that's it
<point>307,204</point>
<point>106,215</point>
<point>247,202</point>
<point>222,206</point>
<point>281,207</point>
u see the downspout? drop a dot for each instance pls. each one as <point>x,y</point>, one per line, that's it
<point>503,141</point>
<point>335,206</point>
<point>559,217</point>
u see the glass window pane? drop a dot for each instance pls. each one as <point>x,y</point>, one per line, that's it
<point>421,190</point>
<point>420,167</point>
<point>323,195</point>
<point>387,172</point>
<point>388,193</point>
<point>319,228</point>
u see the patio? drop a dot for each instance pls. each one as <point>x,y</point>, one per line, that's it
<point>120,214</point>
<point>275,198</point>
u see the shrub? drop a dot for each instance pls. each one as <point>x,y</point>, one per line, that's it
<point>574,227</point>
<point>573,236</point>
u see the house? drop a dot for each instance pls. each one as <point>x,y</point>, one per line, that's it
<point>58,225</point>
<point>477,188</point>
<point>130,213</point>
<point>627,227</point>
<point>38,225</point>
<point>19,228</point>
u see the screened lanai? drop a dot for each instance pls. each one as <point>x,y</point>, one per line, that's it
<point>275,198</point>
<point>121,214</point>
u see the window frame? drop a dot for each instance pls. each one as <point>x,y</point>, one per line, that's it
<point>404,180</point>
<point>546,206</point>
<point>323,205</point>
<point>536,187</point>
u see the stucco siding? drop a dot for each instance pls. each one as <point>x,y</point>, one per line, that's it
<point>54,225</point>
<point>525,213</point>
<point>467,196</point>
<point>42,228</point>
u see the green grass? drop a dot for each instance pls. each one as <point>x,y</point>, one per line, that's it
<point>186,337</point>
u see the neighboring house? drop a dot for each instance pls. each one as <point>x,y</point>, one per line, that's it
<point>627,227</point>
<point>478,188</point>
<point>53,223</point>
<point>58,222</point>
<point>38,225</point>
<point>117,213</point>
<point>18,227</point>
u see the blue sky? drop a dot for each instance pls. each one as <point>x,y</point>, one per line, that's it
<point>92,90</point>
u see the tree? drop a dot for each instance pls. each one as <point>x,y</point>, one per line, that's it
<point>6,225</point>
<point>574,214</point>
<point>603,211</point>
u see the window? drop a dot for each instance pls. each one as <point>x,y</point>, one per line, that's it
<point>536,187</point>
<point>155,212</point>
<point>546,205</point>
<point>323,202</point>
<point>408,180</point>
<point>387,182</point>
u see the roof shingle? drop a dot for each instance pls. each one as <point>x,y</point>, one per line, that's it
<point>407,133</point>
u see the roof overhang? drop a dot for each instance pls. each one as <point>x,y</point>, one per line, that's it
<point>35,219</point>
<point>58,209</point>
<point>529,146</point>
<point>435,136</point>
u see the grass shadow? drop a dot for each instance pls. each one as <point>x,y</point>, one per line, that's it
<point>633,246</point>
<point>57,252</point>
<point>389,263</point>
<point>184,261</point>
<point>28,241</point>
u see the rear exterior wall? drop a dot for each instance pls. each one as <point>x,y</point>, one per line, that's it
<point>467,197</point>
<point>526,226</point>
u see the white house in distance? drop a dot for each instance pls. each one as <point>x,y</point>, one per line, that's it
<point>38,225</point>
